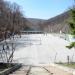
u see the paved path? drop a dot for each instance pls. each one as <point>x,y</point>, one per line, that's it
<point>31,70</point>
<point>22,71</point>
<point>57,71</point>
<point>40,70</point>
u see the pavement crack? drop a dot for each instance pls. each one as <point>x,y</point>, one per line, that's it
<point>28,72</point>
<point>47,70</point>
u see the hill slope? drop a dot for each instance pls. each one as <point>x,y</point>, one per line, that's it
<point>55,24</point>
<point>34,24</point>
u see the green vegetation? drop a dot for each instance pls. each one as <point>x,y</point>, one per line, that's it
<point>72,27</point>
<point>71,65</point>
<point>72,32</point>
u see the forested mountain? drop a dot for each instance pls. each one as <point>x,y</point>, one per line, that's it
<point>58,23</point>
<point>55,24</point>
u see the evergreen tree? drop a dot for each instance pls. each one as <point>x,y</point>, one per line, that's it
<point>72,27</point>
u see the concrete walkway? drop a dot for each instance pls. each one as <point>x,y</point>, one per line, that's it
<point>40,70</point>
<point>22,71</point>
<point>31,70</point>
<point>57,71</point>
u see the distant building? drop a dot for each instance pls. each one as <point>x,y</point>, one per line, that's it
<point>31,32</point>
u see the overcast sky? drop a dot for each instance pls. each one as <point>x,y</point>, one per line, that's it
<point>43,9</point>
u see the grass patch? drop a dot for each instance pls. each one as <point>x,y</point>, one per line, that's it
<point>71,65</point>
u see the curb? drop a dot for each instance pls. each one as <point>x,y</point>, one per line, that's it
<point>10,70</point>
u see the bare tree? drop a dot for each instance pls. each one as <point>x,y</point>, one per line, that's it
<point>11,22</point>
